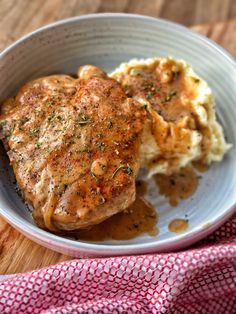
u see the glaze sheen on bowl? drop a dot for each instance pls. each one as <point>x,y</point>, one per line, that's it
<point>106,40</point>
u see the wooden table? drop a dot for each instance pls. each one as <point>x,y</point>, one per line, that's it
<point>17,253</point>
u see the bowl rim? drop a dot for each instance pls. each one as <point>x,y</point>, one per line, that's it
<point>181,240</point>
<point>165,22</point>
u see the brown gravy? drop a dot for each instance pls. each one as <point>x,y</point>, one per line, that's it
<point>178,225</point>
<point>141,187</point>
<point>177,186</point>
<point>200,166</point>
<point>140,218</point>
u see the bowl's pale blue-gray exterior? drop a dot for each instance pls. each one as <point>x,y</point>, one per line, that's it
<point>106,40</point>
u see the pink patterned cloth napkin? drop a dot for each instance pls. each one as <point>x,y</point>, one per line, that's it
<point>201,279</point>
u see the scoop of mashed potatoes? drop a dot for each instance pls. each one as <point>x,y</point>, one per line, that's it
<point>182,127</point>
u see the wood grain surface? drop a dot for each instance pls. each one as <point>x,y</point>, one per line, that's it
<point>17,253</point>
<point>18,17</point>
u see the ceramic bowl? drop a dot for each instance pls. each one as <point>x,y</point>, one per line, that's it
<point>106,40</point>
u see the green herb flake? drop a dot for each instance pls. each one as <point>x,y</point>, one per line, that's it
<point>99,135</point>
<point>169,96</point>
<point>196,80</point>
<point>51,118</point>
<point>136,72</point>
<point>129,170</point>
<point>34,131</point>
<point>83,120</point>
<point>38,145</point>
<point>172,93</point>
<point>133,137</point>
<point>100,146</point>
<point>3,123</point>
<point>94,176</point>
<point>60,118</point>
<point>85,149</point>
<point>121,166</point>
<point>149,95</point>
<point>126,88</point>
<point>145,107</point>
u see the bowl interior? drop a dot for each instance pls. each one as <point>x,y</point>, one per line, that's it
<point>106,41</point>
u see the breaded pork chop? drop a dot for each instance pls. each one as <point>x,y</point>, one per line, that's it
<point>74,147</point>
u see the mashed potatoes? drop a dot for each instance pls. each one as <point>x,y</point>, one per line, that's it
<point>182,127</point>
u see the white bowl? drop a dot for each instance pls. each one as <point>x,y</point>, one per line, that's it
<point>106,40</point>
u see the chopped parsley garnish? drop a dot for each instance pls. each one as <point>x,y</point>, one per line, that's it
<point>133,137</point>
<point>60,118</point>
<point>169,96</point>
<point>121,166</point>
<point>38,145</point>
<point>126,88</point>
<point>94,176</point>
<point>101,146</point>
<point>172,93</point>
<point>99,135</point>
<point>51,118</point>
<point>196,80</point>
<point>149,95</point>
<point>83,120</point>
<point>136,72</point>
<point>145,106</point>
<point>129,170</point>
<point>3,123</point>
<point>34,131</point>
<point>85,149</point>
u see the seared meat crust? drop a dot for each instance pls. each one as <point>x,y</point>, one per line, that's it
<point>74,147</point>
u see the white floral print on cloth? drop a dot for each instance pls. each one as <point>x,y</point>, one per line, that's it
<point>199,280</point>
